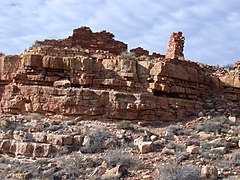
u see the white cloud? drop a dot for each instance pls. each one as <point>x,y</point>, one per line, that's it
<point>210,26</point>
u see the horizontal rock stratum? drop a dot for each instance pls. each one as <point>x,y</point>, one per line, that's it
<point>91,74</point>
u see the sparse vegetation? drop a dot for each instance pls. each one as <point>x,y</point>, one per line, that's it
<point>125,125</point>
<point>96,139</point>
<point>36,44</point>
<point>35,116</point>
<point>117,157</point>
<point>9,125</point>
<point>75,166</point>
<point>228,67</point>
<point>72,166</point>
<point>173,172</point>
<point>128,56</point>
<point>213,125</point>
<point>235,161</point>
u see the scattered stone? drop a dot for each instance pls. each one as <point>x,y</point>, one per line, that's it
<point>62,84</point>
<point>153,137</point>
<point>193,149</point>
<point>40,137</point>
<point>98,171</point>
<point>55,139</point>
<point>203,135</point>
<point>78,140</point>
<point>145,147</point>
<point>209,172</point>
<point>200,114</point>
<point>139,140</point>
<point>67,139</point>
<point>114,173</point>
<point>233,119</point>
<point>168,151</point>
<point>219,150</point>
<point>181,158</point>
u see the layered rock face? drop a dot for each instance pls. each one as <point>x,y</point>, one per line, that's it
<point>84,75</point>
<point>231,82</point>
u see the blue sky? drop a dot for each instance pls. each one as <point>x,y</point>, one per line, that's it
<point>211,27</point>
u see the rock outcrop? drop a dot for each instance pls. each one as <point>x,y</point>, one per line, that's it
<point>84,38</point>
<point>39,144</point>
<point>175,46</point>
<point>84,75</point>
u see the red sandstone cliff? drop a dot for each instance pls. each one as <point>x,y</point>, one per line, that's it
<point>85,75</point>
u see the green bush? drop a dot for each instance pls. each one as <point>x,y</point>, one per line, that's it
<point>128,56</point>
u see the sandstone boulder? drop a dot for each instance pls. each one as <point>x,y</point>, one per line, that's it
<point>62,84</point>
<point>78,140</point>
<point>145,147</point>
<point>209,172</point>
<point>41,150</point>
<point>55,139</point>
<point>193,149</point>
<point>40,137</point>
<point>24,148</point>
<point>115,173</point>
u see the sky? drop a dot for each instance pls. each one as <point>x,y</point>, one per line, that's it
<point>211,27</point>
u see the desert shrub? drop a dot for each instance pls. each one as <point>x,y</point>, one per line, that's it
<point>55,123</point>
<point>71,123</point>
<point>96,139</point>
<point>2,54</point>
<point>212,127</point>
<point>36,44</point>
<point>54,128</point>
<point>208,145</point>
<point>228,67</point>
<point>209,106</point>
<point>124,125</point>
<point>73,166</point>
<point>173,172</point>
<point>235,161</point>
<point>128,56</point>
<point>4,160</point>
<point>211,156</point>
<point>220,119</point>
<point>232,178</point>
<point>117,157</point>
<point>35,116</point>
<point>9,125</point>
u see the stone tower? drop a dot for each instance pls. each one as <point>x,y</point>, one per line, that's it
<point>175,46</point>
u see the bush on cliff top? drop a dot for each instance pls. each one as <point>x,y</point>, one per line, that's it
<point>128,56</point>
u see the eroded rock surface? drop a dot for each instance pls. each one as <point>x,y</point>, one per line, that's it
<point>86,75</point>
